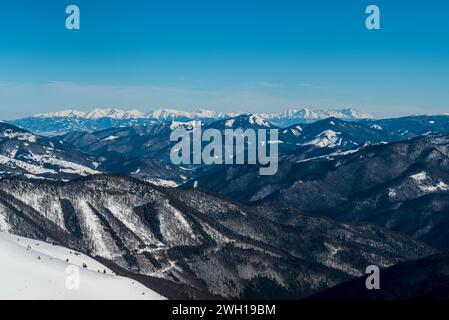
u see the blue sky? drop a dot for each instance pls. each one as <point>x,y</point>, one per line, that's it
<point>233,55</point>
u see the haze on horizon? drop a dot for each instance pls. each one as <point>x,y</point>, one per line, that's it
<point>256,56</point>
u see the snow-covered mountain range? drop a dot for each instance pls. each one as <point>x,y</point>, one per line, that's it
<point>143,151</point>
<point>195,241</point>
<point>160,114</point>
<point>26,154</point>
<point>302,114</point>
<point>403,186</point>
<point>55,123</point>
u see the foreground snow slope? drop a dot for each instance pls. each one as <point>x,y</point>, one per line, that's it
<point>34,270</point>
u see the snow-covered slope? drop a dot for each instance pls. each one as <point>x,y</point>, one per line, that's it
<point>35,270</point>
<point>95,114</point>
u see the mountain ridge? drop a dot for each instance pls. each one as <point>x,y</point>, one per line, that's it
<point>196,239</point>
<point>56,123</point>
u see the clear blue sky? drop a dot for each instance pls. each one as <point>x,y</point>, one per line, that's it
<point>241,55</point>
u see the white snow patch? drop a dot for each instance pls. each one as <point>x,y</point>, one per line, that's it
<point>163,182</point>
<point>188,125</point>
<point>110,138</point>
<point>31,168</point>
<point>392,193</point>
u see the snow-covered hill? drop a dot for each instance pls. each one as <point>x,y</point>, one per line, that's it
<point>302,114</point>
<point>95,114</point>
<point>55,123</point>
<point>35,270</point>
